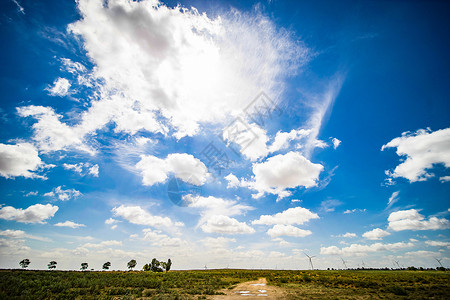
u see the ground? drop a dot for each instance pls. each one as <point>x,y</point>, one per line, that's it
<point>225,284</point>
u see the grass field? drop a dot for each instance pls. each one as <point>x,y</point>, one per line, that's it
<point>28,284</point>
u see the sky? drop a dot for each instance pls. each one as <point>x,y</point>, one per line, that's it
<point>240,134</point>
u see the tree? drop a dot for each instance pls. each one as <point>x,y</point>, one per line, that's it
<point>131,264</point>
<point>146,267</point>
<point>84,266</point>
<point>106,265</point>
<point>52,265</point>
<point>168,265</point>
<point>156,266</point>
<point>24,263</point>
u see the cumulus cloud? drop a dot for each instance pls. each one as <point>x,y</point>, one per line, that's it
<point>50,134</point>
<point>335,142</point>
<point>291,216</point>
<point>162,240</point>
<point>37,213</point>
<point>19,234</point>
<point>412,220</point>
<point>422,150</point>
<point>137,215</point>
<point>211,60</point>
<point>20,160</point>
<point>9,246</point>
<point>212,206</point>
<point>63,195</point>
<point>438,244</point>
<point>376,234</point>
<point>281,172</point>
<point>359,250</point>
<point>184,166</point>
<point>69,224</point>
<point>226,225</point>
<point>60,87</point>
<point>287,230</point>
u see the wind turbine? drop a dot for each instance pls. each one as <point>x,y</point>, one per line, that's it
<point>344,262</point>
<point>206,268</point>
<point>363,264</point>
<point>310,260</point>
<point>396,261</point>
<point>439,261</point>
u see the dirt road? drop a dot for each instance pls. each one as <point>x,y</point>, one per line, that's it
<point>252,290</point>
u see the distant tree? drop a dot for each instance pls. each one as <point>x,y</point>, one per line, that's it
<point>168,265</point>
<point>156,266</point>
<point>84,266</point>
<point>146,267</point>
<point>24,263</point>
<point>106,265</point>
<point>52,265</point>
<point>131,264</point>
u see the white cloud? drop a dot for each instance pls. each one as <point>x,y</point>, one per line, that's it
<point>69,224</point>
<point>20,160</point>
<point>219,242</point>
<point>161,240</point>
<point>225,225</point>
<point>137,215</point>
<point>184,166</point>
<point>393,199</point>
<point>19,234</point>
<point>376,234</point>
<point>33,214</point>
<point>212,61</point>
<point>294,215</point>
<point>412,220</point>
<point>83,168</point>
<point>351,211</point>
<point>358,249</point>
<point>63,195</point>
<point>281,172</point>
<point>444,178</point>
<point>283,139</point>
<point>233,181</point>
<point>102,244</point>
<point>438,244</point>
<point>50,133</point>
<point>13,246</point>
<point>348,235</point>
<point>19,7</point>
<point>287,230</point>
<point>60,87</point>
<point>251,138</point>
<point>212,206</point>
<point>111,221</point>
<point>422,150</point>
<point>335,142</point>
<point>94,170</point>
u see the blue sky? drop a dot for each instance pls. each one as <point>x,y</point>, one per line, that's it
<point>115,117</point>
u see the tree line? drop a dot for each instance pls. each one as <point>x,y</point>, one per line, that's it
<point>153,266</point>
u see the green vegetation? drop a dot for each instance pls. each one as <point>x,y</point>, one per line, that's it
<point>351,284</point>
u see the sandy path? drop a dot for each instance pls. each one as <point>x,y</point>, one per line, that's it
<point>253,290</point>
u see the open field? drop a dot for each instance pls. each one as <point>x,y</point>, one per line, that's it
<point>211,284</point>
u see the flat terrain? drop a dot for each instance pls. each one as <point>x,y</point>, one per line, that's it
<point>225,284</point>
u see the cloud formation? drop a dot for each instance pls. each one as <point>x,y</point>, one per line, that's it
<point>37,213</point>
<point>422,149</point>
<point>291,216</point>
<point>69,224</point>
<point>360,250</point>
<point>183,166</point>
<point>226,225</point>
<point>412,220</point>
<point>376,234</point>
<point>137,215</point>
<point>20,160</point>
<point>287,230</point>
